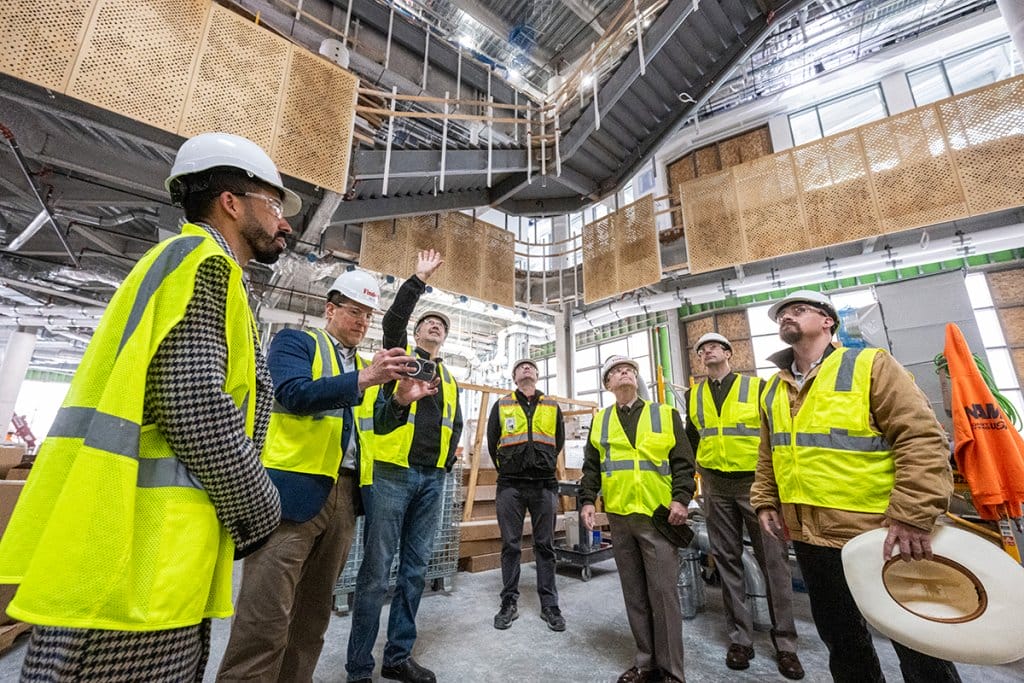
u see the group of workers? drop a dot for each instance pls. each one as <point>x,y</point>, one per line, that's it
<point>181,448</point>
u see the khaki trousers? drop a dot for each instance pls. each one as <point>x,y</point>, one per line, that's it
<point>649,572</point>
<point>286,597</point>
<point>727,505</point>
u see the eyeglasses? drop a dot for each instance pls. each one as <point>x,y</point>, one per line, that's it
<point>797,310</point>
<point>710,346</point>
<point>273,203</point>
<point>353,312</point>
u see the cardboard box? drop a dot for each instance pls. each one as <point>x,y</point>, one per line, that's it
<point>10,456</point>
<point>9,491</point>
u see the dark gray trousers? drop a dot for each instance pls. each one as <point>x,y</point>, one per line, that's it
<point>511,504</point>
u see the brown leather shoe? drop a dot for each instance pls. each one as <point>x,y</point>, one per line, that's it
<point>738,657</point>
<point>789,665</point>
<point>635,675</point>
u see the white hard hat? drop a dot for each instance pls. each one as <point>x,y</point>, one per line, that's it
<point>712,337</point>
<point>359,286</point>
<point>434,314</point>
<point>617,360</point>
<point>805,296</point>
<point>522,361</point>
<point>209,150</point>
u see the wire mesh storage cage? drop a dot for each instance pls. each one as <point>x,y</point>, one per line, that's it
<point>444,560</point>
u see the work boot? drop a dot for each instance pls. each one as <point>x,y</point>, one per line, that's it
<point>553,615</point>
<point>408,671</point>
<point>507,614</point>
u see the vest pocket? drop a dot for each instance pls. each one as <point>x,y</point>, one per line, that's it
<point>185,561</point>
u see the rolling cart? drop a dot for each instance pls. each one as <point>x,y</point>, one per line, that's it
<point>584,553</point>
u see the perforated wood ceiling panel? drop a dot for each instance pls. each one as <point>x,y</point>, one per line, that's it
<point>40,39</point>
<point>137,57</point>
<point>914,178</point>
<point>498,266</point>
<point>479,259</point>
<point>679,171</point>
<point>708,160</point>
<point>839,203</point>
<point>986,136</point>
<point>711,220</point>
<point>313,140</point>
<point>621,252</point>
<point>600,265</point>
<point>769,206</point>
<point>238,80</point>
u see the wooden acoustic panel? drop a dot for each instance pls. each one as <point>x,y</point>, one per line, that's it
<point>1006,287</point>
<point>985,130</point>
<point>769,207</point>
<point>914,179</point>
<point>238,81</point>
<point>41,39</point>
<point>714,238</point>
<point>838,197</point>
<point>137,57</point>
<point>621,252</point>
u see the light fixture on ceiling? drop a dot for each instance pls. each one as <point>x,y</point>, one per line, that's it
<point>467,42</point>
<point>587,80</point>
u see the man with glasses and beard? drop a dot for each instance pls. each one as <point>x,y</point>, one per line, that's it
<point>315,453</point>
<point>849,444</point>
<point>149,483</point>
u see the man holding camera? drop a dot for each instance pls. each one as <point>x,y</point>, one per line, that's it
<point>414,447</point>
<point>312,454</point>
<point>525,433</point>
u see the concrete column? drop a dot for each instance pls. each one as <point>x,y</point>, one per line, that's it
<point>898,96</point>
<point>781,133</point>
<point>676,349</point>
<point>13,369</point>
<point>1013,15</point>
<point>565,353</point>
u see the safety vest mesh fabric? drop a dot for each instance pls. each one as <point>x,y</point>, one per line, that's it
<point>728,442</point>
<point>112,531</point>
<point>310,444</point>
<point>515,428</point>
<point>394,447</point>
<point>635,480</point>
<point>828,455</point>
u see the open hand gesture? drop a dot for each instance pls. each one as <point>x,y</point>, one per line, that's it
<point>427,262</point>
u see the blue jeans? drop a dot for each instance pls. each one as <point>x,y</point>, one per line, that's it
<point>402,514</point>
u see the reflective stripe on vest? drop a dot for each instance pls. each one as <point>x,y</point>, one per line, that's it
<point>310,444</point>
<point>829,454</point>
<point>394,447</point>
<point>541,427</point>
<point>637,479</point>
<point>112,531</point>
<point>728,442</point>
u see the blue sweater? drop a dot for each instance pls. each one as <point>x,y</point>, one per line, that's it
<point>290,359</point>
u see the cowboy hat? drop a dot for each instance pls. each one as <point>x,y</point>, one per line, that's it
<point>964,605</point>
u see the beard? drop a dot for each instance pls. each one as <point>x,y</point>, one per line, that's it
<point>790,333</point>
<point>265,248</point>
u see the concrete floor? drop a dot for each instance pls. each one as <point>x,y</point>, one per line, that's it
<point>457,639</point>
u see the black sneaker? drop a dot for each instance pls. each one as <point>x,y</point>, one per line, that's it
<point>553,615</point>
<point>506,615</point>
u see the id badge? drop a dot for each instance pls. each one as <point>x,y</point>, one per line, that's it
<point>510,424</point>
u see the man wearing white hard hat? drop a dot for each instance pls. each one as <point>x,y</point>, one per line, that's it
<point>848,444</point>
<point>723,427</point>
<point>413,450</point>
<point>639,460</point>
<point>317,445</point>
<point>149,484</point>
<point>525,434</point>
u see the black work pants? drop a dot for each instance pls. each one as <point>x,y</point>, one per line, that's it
<point>852,657</point>
<point>512,503</point>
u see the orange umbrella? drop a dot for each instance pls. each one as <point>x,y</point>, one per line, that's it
<point>989,451</point>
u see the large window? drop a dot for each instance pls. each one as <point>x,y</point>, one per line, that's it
<point>1000,363</point>
<point>835,116</point>
<point>588,365</point>
<point>963,72</point>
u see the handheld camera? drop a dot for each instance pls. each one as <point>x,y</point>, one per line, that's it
<point>421,369</point>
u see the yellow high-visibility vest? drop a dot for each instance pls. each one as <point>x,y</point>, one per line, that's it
<point>728,442</point>
<point>112,531</point>
<point>636,479</point>
<point>829,455</point>
<point>515,429</point>
<point>311,444</point>
<point>394,447</point>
